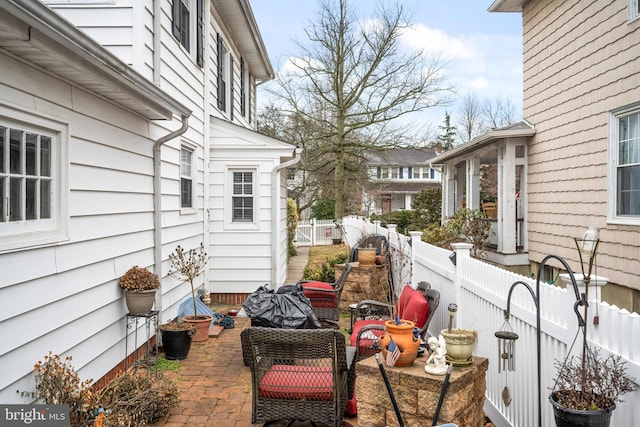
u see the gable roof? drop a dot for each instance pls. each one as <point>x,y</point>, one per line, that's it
<point>516,130</point>
<point>400,156</point>
<point>33,32</point>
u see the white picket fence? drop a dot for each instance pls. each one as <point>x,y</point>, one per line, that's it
<point>480,291</point>
<point>316,232</point>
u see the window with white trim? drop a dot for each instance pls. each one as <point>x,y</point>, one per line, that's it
<point>186,178</point>
<point>243,196</point>
<point>633,10</point>
<point>624,163</point>
<point>32,185</point>
<point>187,26</point>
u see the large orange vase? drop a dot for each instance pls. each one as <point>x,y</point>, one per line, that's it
<point>405,340</point>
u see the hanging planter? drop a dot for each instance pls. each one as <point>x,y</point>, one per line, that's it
<point>566,417</point>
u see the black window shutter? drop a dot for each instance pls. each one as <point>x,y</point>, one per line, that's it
<point>243,102</point>
<point>200,33</point>
<point>220,80</point>
<point>231,87</point>
<point>249,95</point>
<point>176,19</point>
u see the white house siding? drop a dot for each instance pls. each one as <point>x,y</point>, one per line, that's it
<point>242,256</point>
<point>65,298</point>
<point>580,61</point>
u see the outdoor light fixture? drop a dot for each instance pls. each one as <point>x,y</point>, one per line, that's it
<point>452,258</point>
<point>507,341</point>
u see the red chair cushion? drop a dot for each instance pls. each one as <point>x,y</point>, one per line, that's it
<point>413,306</point>
<point>356,330</point>
<point>319,298</point>
<point>297,383</point>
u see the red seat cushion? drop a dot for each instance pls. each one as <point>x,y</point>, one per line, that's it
<point>359,325</point>
<point>413,306</point>
<point>297,383</point>
<point>320,298</point>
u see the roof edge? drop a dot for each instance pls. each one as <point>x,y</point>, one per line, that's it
<point>506,6</point>
<point>62,32</point>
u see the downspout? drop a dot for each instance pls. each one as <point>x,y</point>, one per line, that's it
<point>157,204</point>
<point>275,217</point>
<point>157,42</point>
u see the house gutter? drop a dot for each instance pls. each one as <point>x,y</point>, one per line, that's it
<point>275,217</point>
<point>157,203</point>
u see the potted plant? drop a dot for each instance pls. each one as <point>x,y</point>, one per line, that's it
<point>186,266</point>
<point>176,339</point>
<point>139,286</point>
<point>587,389</point>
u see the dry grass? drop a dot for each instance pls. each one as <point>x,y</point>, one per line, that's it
<point>319,254</point>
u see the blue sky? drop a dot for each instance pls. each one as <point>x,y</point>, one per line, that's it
<point>485,48</point>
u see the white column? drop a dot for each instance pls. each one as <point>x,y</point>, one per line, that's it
<point>448,190</point>
<point>416,236</point>
<point>473,183</point>
<point>507,198</point>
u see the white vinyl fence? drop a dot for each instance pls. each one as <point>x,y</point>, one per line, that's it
<point>316,232</point>
<point>480,291</point>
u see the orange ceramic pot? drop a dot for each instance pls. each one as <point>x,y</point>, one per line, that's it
<point>405,340</point>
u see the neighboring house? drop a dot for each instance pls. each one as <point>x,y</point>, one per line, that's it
<point>396,176</point>
<point>582,98</point>
<point>118,142</point>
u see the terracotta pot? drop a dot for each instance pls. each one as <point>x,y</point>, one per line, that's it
<point>201,323</point>
<point>460,344</point>
<point>367,256</point>
<point>140,301</point>
<point>405,340</point>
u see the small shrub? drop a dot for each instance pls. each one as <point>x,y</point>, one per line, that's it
<point>139,279</point>
<point>466,225</point>
<point>326,271</point>
<point>58,383</point>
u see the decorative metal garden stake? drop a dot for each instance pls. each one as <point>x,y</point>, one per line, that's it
<point>580,301</point>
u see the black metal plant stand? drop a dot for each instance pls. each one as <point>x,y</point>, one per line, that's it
<point>580,301</point>
<point>150,319</point>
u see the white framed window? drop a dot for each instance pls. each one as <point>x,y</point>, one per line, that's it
<point>187,26</point>
<point>243,196</point>
<point>33,179</point>
<point>186,178</point>
<point>624,166</point>
<point>633,7</point>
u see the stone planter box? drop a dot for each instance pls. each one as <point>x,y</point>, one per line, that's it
<point>417,394</point>
<point>363,282</point>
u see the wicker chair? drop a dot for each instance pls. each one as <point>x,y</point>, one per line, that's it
<point>325,297</point>
<point>298,374</point>
<point>370,317</point>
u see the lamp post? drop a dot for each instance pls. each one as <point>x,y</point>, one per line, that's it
<point>587,249</point>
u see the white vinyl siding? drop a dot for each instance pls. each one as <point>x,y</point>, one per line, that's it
<point>33,186</point>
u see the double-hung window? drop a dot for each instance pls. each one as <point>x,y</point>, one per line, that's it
<point>186,178</point>
<point>243,196</point>
<point>624,166</point>
<point>188,26</point>
<point>33,186</point>
<point>633,10</point>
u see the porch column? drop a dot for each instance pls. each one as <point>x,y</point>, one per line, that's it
<point>460,186</point>
<point>507,197</point>
<point>473,183</point>
<point>448,190</point>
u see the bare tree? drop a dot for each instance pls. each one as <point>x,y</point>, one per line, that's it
<point>352,83</point>
<point>498,112</point>
<point>470,121</point>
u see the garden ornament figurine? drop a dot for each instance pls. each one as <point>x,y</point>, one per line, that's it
<point>437,361</point>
